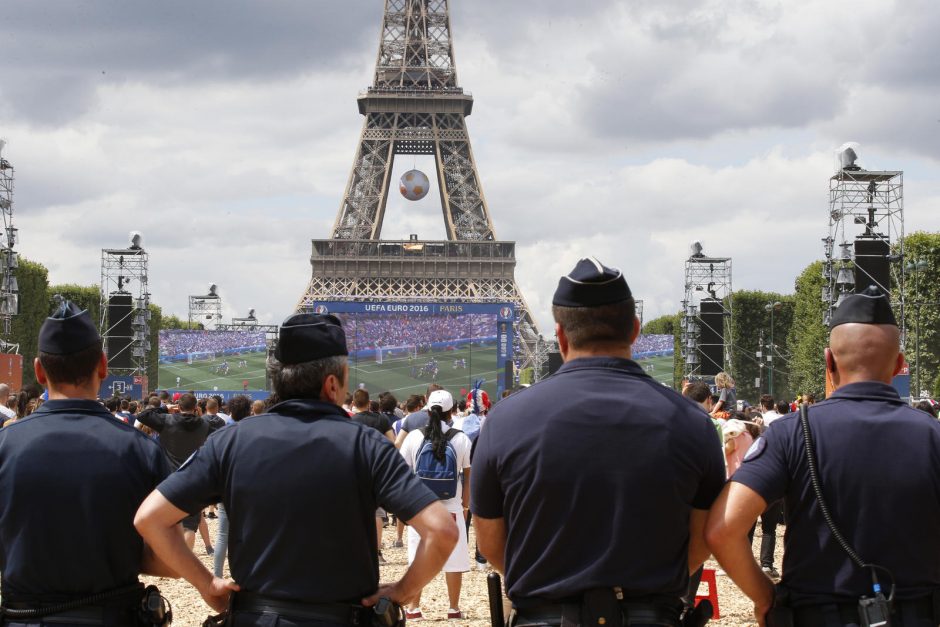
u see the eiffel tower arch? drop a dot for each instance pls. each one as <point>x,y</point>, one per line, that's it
<point>415,107</point>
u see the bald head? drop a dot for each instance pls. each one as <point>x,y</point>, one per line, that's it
<point>864,352</point>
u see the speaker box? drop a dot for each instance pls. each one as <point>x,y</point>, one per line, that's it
<point>120,332</point>
<point>711,339</point>
<point>871,264</point>
<point>554,362</point>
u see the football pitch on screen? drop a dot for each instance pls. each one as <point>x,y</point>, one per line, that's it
<point>660,368</point>
<point>402,375</point>
<point>210,375</point>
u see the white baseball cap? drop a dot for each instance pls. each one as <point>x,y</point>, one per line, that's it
<point>442,398</point>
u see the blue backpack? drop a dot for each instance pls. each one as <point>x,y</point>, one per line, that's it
<point>439,475</point>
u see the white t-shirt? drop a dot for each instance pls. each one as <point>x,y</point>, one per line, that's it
<point>770,416</point>
<point>461,443</point>
<point>7,412</point>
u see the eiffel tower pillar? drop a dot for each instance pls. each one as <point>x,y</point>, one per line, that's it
<point>415,106</point>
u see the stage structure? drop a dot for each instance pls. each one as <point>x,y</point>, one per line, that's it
<point>250,323</point>
<point>415,107</point>
<point>125,313</point>
<point>206,309</point>
<point>9,260</point>
<point>707,314</point>
<point>639,311</point>
<point>866,234</point>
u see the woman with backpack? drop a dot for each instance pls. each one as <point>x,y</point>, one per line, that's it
<point>440,456</point>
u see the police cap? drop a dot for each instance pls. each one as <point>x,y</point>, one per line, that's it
<point>591,284</point>
<point>306,337</point>
<point>868,307</point>
<point>68,330</point>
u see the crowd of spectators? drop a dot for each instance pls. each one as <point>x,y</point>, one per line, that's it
<point>650,343</point>
<point>180,342</point>
<point>365,332</point>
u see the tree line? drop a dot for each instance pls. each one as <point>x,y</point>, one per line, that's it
<point>800,337</point>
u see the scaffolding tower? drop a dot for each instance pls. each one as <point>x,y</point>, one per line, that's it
<point>9,261</point>
<point>206,309</point>
<point>125,330</point>
<point>866,208</point>
<point>707,316</point>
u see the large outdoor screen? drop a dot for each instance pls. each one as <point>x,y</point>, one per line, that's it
<point>403,347</point>
<point>212,360</point>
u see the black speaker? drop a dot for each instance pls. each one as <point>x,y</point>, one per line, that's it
<point>711,339</point>
<point>554,362</point>
<point>871,264</point>
<point>120,332</point>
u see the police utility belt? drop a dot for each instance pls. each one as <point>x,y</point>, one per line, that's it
<point>383,614</point>
<point>131,605</point>
<point>607,607</point>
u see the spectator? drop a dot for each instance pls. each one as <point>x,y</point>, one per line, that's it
<point>440,408</point>
<point>727,400</point>
<point>5,412</point>
<point>926,406</point>
<point>124,412</point>
<point>768,408</point>
<point>239,407</point>
<point>699,392</point>
<point>212,416</point>
<point>783,407</point>
<point>417,420</point>
<point>257,408</point>
<point>180,436</point>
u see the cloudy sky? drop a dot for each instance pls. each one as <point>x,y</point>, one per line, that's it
<point>225,130</point>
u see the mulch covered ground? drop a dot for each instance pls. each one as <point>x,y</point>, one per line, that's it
<point>189,609</point>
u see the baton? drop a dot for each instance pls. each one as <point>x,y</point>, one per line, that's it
<point>494,590</point>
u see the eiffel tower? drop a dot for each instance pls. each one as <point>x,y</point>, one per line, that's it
<point>415,107</point>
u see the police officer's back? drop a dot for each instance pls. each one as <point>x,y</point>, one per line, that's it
<point>301,485</point>
<point>878,465</point>
<point>71,478</point>
<point>595,476</point>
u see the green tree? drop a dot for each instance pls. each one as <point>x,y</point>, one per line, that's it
<point>751,333</point>
<point>808,336</point>
<point>33,280</point>
<point>922,308</point>
<point>85,296</point>
<point>175,322</point>
<point>153,358</point>
<point>663,325</point>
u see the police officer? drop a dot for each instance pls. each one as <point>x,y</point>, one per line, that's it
<point>301,485</point>
<point>71,478</point>
<point>590,489</point>
<point>878,464</point>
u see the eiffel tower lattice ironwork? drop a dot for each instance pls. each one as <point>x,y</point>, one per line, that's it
<point>415,106</point>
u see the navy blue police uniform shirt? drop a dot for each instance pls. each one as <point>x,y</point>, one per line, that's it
<point>595,470</point>
<point>71,479</point>
<point>879,464</point>
<point>300,485</point>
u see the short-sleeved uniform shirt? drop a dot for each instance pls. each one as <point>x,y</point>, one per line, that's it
<point>462,445</point>
<point>879,465</point>
<point>595,470</point>
<point>300,485</point>
<point>71,480</point>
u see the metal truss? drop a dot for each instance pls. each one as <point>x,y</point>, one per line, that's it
<point>205,310</point>
<point>124,271</point>
<point>639,311</point>
<point>416,50</point>
<point>868,205</point>
<point>415,106</point>
<point>386,134</point>
<point>9,260</point>
<point>705,278</point>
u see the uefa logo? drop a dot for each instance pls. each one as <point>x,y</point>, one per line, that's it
<point>321,309</point>
<point>505,312</point>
